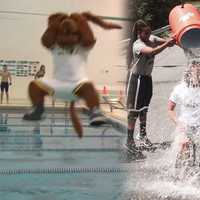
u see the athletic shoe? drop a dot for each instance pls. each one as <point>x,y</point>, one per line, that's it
<point>131,147</point>
<point>97,118</point>
<point>134,150</point>
<point>144,141</point>
<point>35,114</point>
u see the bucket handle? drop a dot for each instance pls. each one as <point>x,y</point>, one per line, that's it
<point>182,4</point>
<point>174,37</point>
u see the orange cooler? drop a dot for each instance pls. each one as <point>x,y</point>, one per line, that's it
<point>184,21</point>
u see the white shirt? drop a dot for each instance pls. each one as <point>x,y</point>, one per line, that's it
<point>70,64</point>
<point>69,71</point>
<point>189,100</point>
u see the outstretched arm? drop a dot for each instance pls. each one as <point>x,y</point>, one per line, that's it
<point>160,40</point>
<point>158,49</point>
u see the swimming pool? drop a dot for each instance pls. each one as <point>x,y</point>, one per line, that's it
<point>45,160</point>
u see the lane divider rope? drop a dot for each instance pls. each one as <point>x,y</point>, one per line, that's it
<point>69,170</point>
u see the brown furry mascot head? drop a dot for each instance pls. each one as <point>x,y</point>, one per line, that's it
<point>67,30</point>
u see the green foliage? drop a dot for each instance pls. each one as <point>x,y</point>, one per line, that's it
<point>155,12</point>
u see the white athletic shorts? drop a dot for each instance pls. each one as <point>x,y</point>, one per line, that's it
<point>63,90</point>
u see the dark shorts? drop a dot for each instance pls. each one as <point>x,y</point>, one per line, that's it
<point>139,92</point>
<point>4,86</point>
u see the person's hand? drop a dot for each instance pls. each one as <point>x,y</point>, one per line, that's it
<point>185,142</point>
<point>10,83</point>
<point>171,42</point>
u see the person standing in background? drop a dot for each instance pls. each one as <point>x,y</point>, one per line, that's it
<point>6,80</point>
<point>40,73</point>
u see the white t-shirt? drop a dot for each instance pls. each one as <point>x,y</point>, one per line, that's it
<point>189,100</point>
<point>70,64</point>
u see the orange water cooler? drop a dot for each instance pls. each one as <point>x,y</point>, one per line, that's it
<point>184,21</point>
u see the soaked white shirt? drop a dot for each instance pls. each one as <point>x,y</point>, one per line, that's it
<point>189,101</point>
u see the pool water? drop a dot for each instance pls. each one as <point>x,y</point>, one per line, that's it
<point>45,160</point>
<point>62,187</point>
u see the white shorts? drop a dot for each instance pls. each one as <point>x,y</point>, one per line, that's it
<point>61,89</point>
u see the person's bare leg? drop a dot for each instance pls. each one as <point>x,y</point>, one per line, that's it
<point>53,101</point>
<point>144,141</point>
<point>1,97</point>
<point>143,121</point>
<point>7,97</point>
<point>130,145</point>
<point>132,118</point>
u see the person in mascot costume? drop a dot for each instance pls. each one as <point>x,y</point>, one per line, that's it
<point>69,38</point>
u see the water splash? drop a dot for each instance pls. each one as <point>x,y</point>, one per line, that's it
<point>192,53</point>
<point>158,177</point>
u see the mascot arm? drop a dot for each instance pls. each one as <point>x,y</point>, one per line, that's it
<point>97,20</point>
<point>48,39</point>
<point>87,36</point>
